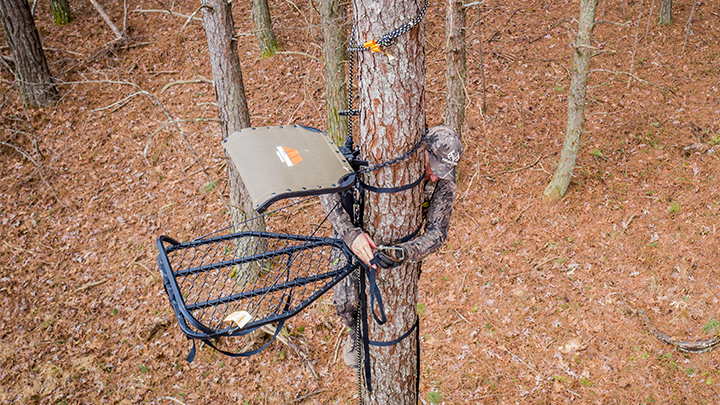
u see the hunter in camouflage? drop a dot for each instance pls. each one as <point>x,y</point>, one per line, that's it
<point>442,155</point>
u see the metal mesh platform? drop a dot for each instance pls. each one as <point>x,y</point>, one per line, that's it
<point>271,276</point>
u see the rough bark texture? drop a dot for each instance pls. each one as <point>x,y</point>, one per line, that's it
<point>665,12</point>
<point>263,28</point>
<point>392,120</point>
<point>60,11</point>
<point>481,64</point>
<point>576,102</point>
<point>229,91</point>
<point>333,17</point>
<point>32,73</point>
<point>455,72</point>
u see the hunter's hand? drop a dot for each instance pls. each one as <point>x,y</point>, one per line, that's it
<point>363,247</point>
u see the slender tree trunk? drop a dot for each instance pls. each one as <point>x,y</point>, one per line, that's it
<point>229,91</point>
<point>31,69</point>
<point>60,11</point>
<point>333,18</point>
<point>576,102</point>
<point>455,73</point>
<point>481,65</point>
<point>665,13</point>
<point>263,28</point>
<point>392,121</point>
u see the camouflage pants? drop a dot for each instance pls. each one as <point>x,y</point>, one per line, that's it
<point>346,294</point>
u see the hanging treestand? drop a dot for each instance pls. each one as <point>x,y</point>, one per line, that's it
<point>230,285</point>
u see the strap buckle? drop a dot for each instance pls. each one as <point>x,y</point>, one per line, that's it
<point>398,252</point>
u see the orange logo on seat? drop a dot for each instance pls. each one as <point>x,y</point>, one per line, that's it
<point>290,156</point>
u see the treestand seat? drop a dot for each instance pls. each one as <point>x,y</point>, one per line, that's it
<point>287,161</point>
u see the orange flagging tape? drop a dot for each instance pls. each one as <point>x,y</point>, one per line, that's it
<point>376,48</point>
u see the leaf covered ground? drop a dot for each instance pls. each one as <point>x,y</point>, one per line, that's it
<point>528,302</point>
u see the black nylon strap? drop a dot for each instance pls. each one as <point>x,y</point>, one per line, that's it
<point>400,339</point>
<point>364,331</point>
<point>408,237</point>
<point>249,353</point>
<point>375,295</point>
<point>390,190</point>
<point>193,351</point>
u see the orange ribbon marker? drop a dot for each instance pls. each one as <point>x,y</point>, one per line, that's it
<point>376,48</point>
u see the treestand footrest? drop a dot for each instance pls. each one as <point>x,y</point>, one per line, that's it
<point>231,284</point>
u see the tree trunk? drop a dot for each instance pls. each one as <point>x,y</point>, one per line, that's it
<point>455,72</point>
<point>576,102</point>
<point>665,13</point>
<point>32,73</point>
<point>481,65</point>
<point>333,18</point>
<point>230,93</point>
<point>392,121</point>
<point>263,28</point>
<point>60,10</point>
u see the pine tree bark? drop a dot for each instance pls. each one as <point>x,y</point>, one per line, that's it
<point>665,12</point>
<point>576,102</point>
<point>333,19</point>
<point>455,69</point>
<point>392,121</point>
<point>263,28</point>
<point>60,11</point>
<point>31,69</point>
<point>230,93</point>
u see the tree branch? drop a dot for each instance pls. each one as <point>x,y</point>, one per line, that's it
<point>107,19</point>
<point>663,88</point>
<point>687,26</point>
<point>180,82</point>
<point>171,121</point>
<point>188,17</point>
<point>39,169</point>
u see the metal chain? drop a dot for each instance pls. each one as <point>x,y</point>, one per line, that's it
<point>388,39</point>
<point>385,41</point>
<point>395,160</point>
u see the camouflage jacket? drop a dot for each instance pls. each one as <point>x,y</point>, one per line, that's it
<point>439,197</point>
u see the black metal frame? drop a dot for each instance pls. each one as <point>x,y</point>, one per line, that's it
<point>195,329</point>
<point>344,183</point>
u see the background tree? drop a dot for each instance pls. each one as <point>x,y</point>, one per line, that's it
<point>455,71</point>
<point>392,120</point>
<point>263,28</point>
<point>229,91</point>
<point>31,69</point>
<point>576,102</point>
<point>665,12</point>
<point>333,19</point>
<point>60,11</point>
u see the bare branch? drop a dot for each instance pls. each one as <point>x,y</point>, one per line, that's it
<point>687,26</point>
<point>625,24</point>
<point>181,82</point>
<point>107,19</point>
<point>647,27</point>
<point>188,17</point>
<point>171,121</point>
<point>298,53</point>
<point>118,104</point>
<point>637,39</point>
<point>663,88</point>
<point>39,169</point>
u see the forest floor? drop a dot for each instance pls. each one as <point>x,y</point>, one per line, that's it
<point>528,302</point>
